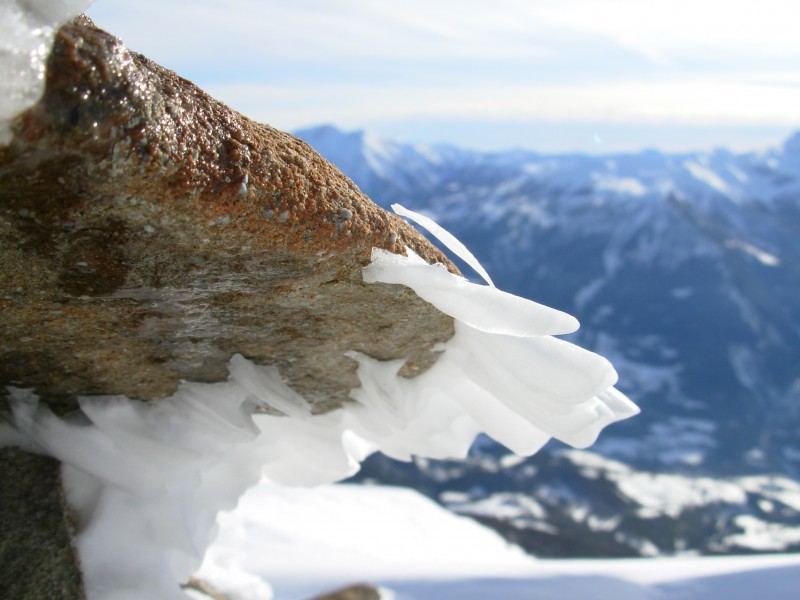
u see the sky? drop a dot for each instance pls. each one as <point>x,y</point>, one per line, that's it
<point>549,75</point>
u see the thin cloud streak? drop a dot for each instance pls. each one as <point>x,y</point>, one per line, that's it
<point>695,103</point>
<point>349,29</point>
<point>672,29</point>
<point>698,62</point>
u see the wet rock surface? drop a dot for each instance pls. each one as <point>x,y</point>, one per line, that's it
<point>148,233</point>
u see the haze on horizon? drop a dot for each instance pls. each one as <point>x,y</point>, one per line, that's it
<point>550,75</point>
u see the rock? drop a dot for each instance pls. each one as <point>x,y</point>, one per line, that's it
<point>37,559</point>
<point>203,588</point>
<point>359,591</point>
<point>148,233</point>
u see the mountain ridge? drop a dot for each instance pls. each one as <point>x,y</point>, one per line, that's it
<point>683,270</point>
<point>663,241</point>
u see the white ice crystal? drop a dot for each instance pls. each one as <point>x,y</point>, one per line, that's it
<point>147,480</point>
<point>447,238</point>
<point>501,368</point>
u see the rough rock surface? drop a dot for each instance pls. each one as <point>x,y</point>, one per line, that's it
<point>37,559</point>
<point>148,232</point>
<point>203,588</point>
<point>360,591</point>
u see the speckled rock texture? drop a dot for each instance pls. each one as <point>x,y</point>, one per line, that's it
<point>204,589</point>
<point>359,591</point>
<point>148,232</point>
<point>37,559</point>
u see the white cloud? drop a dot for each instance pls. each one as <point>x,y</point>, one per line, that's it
<point>696,103</point>
<point>354,63</point>
<point>345,29</point>
<point>668,29</point>
<point>317,30</point>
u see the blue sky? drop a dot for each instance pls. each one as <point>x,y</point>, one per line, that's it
<point>551,75</point>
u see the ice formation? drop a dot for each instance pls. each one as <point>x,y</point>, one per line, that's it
<point>447,238</point>
<point>147,480</point>
<point>27,28</point>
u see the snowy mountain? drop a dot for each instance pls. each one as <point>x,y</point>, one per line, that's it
<point>683,269</point>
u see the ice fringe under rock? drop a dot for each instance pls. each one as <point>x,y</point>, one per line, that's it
<point>147,480</point>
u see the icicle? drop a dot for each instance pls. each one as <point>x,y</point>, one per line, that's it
<point>447,238</point>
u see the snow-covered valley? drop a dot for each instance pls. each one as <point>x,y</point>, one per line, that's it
<point>683,271</point>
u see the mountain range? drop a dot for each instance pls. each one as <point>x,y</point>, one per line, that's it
<point>684,270</point>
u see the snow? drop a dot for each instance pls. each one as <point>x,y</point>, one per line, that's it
<point>745,365</point>
<point>659,494</point>
<point>629,186</point>
<point>705,175</point>
<point>401,541</point>
<point>664,494</point>
<point>334,535</point>
<point>510,461</point>
<point>481,307</point>
<point>505,506</point>
<point>761,536</point>
<point>762,256</point>
<point>584,295</point>
<point>147,480</point>
<point>776,487</point>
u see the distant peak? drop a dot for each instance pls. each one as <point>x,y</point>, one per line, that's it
<point>328,130</point>
<point>792,144</point>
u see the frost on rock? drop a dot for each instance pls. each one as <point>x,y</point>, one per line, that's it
<point>27,28</point>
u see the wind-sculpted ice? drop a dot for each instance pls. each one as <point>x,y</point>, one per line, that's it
<point>447,238</point>
<point>480,306</point>
<point>148,479</point>
<point>501,368</point>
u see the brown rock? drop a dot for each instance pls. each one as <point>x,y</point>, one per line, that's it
<point>37,559</point>
<point>148,232</point>
<point>359,591</point>
<point>204,588</point>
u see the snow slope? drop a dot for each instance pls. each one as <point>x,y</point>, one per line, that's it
<point>305,541</point>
